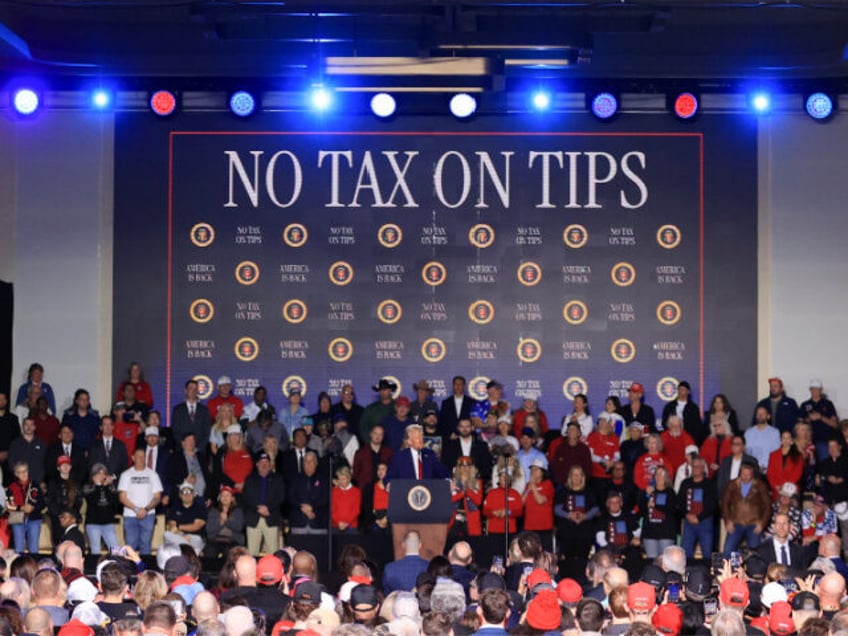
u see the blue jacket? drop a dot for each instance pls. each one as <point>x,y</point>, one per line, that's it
<point>401,466</point>
<point>403,573</point>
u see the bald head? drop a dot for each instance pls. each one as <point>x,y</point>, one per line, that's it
<point>412,542</point>
<point>38,622</point>
<point>73,556</point>
<point>831,589</point>
<point>829,546</point>
<point>246,571</point>
<point>461,553</point>
<point>304,564</point>
<point>205,606</point>
<point>615,577</point>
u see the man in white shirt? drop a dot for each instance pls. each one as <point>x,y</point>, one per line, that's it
<point>139,490</point>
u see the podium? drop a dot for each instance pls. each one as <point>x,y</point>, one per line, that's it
<point>421,505</point>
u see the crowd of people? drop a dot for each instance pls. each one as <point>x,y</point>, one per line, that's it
<point>228,477</point>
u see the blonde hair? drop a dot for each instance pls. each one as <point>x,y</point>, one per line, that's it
<point>150,587</point>
<point>473,479</point>
<point>343,471</point>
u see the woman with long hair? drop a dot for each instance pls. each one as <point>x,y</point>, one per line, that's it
<point>62,492</point>
<point>806,446</point>
<point>224,524</point>
<point>582,416</point>
<point>149,587</point>
<point>227,579</point>
<point>576,508</point>
<point>380,500</point>
<point>324,412</point>
<point>271,445</point>
<point>538,500</point>
<point>719,444</point>
<point>25,502</point>
<point>720,406</point>
<point>467,497</point>
<point>660,514</point>
<point>135,376</point>
<point>223,420</point>
<point>786,464</point>
<point>236,460</point>
<point>101,497</point>
<point>612,406</point>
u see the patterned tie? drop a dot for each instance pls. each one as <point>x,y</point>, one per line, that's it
<point>419,467</point>
<point>150,459</point>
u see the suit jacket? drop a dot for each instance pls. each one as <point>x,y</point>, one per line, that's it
<point>723,474</point>
<point>288,469</point>
<point>796,554</point>
<point>79,464</point>
<point>181,424</point>
<point>178,471</point>
<point>401,466</point>
<point>274,498</point>
<point>449,418</point>
<point>73,534</point>
<point>402,574</point>
<point>692,422</point>
<point>115,463</point>
<point>480,455</point>
<point>314,491</point>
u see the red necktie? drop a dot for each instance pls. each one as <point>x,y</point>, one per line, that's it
<point>150,459</point>
<point>419,467</point>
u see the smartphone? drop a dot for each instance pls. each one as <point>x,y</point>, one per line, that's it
<point>118,551</point>
<point>789,585</point>
<point>716,562</point>
<point>527,570</point>
<point>735,560</point>
<point>674,592</point>
<point>710,608</point>
<point>497,561</point>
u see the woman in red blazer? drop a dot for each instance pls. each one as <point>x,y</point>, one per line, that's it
<point>786,464</point>
<point>467,498</point>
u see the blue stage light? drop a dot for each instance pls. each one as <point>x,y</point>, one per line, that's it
<point>604,105</point>
<point>541,100</point>
<point>320,98</point>
<point>761,102</point>
<point>101,99</point>
<point>242,104</point>
<point>383,105</point>
<point>26,101</point>
<point>819,106</point>
<point>462,105</point>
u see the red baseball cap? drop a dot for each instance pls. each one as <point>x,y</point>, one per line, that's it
<point>76,628</point>
<point>269,570</point>
<point>402,401</point>
<point>734,593</point>
<point>780,618</point>
<point>544,612</point>
<point>63,459</point>
<point>538,576</point>
<point>641,597</point>
<point>668,619</point>
<point>637,388</point>
<point>569,591</point>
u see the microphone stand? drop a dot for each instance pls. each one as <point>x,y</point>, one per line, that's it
<point>506,510</point>
<point>330,515</point>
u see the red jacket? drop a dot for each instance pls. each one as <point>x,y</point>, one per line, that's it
<point>495,501</point>
<point>710,447</point>
<point>643,472</point>
<point>779,471</point>
<point>674,448</point>
<point>539,517</point>
<point>469,501</point>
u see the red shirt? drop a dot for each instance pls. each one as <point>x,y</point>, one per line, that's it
<point>47,429</point>
<point>217,401</point>
<point>347,505</point>
<point>127,432</point>
<point>712,453</point>
<point>495,501</point>
<point>237,466</point>
<point>674,448</point>
<point>381,497</point>
<point>603,447</point>
<point>142,392</point>
<point>539,516</point>
<point>643,472</point>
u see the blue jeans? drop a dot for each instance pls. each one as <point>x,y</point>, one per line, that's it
<point>735,538</point>
<point>655,547</point>
<point>26,535</point>
<point>701,532</point>
<point>97,532</point>
<point>139,532</point>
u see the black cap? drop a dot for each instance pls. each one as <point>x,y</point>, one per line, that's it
<point>307,592</point>
<point>756,567</point>
<point>697,582</point>
<point>385,384</point>
<point>262,455</point>
<point>176,566</point>
<point>805,601</point>
<point>493,383</point>
<point>654,575</point>
<point>364,597</point>
<point>490,581</point>
<point>339,417</point>
<point>684,384</point>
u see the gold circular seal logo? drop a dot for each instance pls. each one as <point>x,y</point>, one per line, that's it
<point>574,386</point>
<point>295,235</point>
<point>390,235</point>
<point>389,312</point>
<point>668,312</point>
<point>481,312</point>
<point>202,234</point>
<point>575,312</point>
<point>246,349</point>
<point>434,273</point>
<point>529,274</point>
<point>623,350</point>
<point>247,272</point>
<point>340,349</point>
<point>419,498</point>
<point>481,235</point>
<point>477,387</point>
<point>201,310</point>
<point>669,236</point>
<point>294,311</point>
<point>433,349</point>
<point>575,236</point>
<point>623,274</point>
<point>204,386</point>
<point>341,273</point>
<point>667,388</point>
<point>529,350</point>
<point>294,382</point>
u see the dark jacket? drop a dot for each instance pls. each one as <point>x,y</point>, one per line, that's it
<point>797,562</point>
<point>480,455</point>
<point>785,417</point>
<point>181,424</point>
<point>723,474</point>
<point>646,417</point>
<point>116,462</point>
<point>692,422</point>
<point>79,464</point>
<point>275,496</point>
<point>315,491</point>
<point>448,417</point>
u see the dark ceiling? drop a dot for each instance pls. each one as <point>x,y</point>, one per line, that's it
<point>717,42</point>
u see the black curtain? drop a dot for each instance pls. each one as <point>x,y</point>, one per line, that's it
<point>7,310</point>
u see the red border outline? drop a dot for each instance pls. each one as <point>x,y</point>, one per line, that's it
<point>399,133</point>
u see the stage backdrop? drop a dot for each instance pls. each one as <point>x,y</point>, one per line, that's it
<point>559,257</point>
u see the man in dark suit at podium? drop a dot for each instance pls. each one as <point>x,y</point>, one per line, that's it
<point>455,407</point>
<point>415,461</point>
